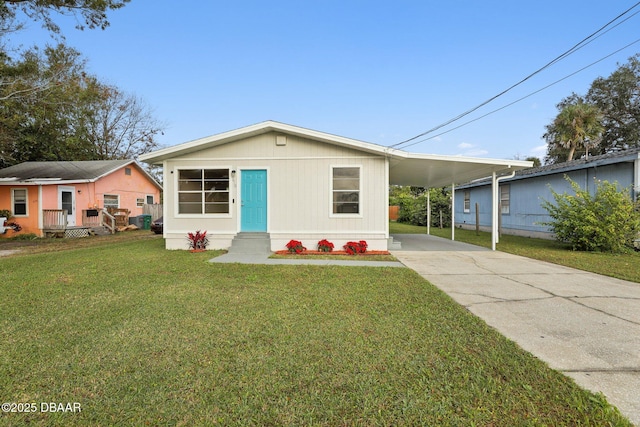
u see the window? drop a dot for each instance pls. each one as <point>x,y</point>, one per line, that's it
<point>203,191</point>
<point>111,201</point>
<point>127,171</point>
<point>19,201</point>
<point>346,190</point>
<point>504,199</point>
<point>140,202</point>
<point>467,201</point>
<point>149,199</point>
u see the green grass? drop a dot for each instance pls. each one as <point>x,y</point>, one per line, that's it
<point>621,266</point>
<point>143,336</point>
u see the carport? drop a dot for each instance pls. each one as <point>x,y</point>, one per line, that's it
<point>436,171</point>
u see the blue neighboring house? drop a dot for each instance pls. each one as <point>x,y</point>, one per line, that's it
<point>521,196</point>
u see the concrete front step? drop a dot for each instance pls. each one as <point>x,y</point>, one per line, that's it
<point>251,243</point>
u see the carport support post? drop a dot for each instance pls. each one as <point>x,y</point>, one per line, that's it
<point>494,210</point>
<point>453,211</point>
<point>428,211</point>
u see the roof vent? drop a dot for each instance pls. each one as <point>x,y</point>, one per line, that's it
<point>281,140</point>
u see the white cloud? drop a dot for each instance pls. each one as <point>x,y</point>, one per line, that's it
<point>539,150</point>
<point>478,152</point>
<point>470,150</point>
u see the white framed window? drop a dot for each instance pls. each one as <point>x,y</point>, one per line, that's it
<point>19,201</point>
<point>467,201</point>
<point>203,191</point>
<point>139,202</point>
<point>345,190</point>
<point>504,199</point>
<point>111,201</point>
<point>149,199</point>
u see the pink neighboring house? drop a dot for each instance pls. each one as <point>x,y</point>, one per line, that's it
<point>29,188</point>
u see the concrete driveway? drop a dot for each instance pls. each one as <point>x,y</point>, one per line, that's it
<point>582,324</point>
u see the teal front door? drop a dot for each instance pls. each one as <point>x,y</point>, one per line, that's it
<point>253,201</point>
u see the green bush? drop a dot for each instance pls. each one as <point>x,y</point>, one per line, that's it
<point>413,207</point>
<point>607,221</point>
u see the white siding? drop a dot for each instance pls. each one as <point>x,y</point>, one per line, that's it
<point>299,202</point>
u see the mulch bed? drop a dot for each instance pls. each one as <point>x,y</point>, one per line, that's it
<point>286,252</point>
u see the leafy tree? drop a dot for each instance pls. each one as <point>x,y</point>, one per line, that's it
<point>618,98</point>
<point>536,161</point>
<point>77,118</point>
<point>577,126</point>
<point>607,221</point>
<point>52,109</point>
<point>413,205</point>
<point>35,124</point>
<point>88,13</point>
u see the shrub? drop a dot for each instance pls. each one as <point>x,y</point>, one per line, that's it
<point>295,246</point>
<point>353,248</point>
<point>607,221</point>
<point>198,240</point>
<point>325,246</point>
<point>413,208</point>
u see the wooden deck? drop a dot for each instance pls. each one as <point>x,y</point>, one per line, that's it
<point>54,222</point>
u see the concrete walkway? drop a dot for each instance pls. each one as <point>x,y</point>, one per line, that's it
<point>582,324</point>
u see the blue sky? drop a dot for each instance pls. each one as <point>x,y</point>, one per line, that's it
<point>380,72</point>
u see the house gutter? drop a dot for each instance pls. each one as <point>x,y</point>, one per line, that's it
<point>636,178</point>
<point>495,181</point>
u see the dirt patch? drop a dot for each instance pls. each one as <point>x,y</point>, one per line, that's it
<point>40,245</point>
<point>7,252</point>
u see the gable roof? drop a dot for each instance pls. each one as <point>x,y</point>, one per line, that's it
<point>624,156</point>
<point>582,163</point>
<point>65,172</point>
<point>405,168</point>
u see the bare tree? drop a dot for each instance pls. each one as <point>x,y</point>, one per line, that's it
<point>121,126</point>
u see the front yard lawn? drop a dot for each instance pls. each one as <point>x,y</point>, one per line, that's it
<point>138,335</point>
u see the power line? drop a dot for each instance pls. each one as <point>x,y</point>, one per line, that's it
<point>572,50</point>
<point>526,96</point>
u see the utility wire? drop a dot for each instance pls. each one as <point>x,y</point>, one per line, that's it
<point>576,47</point>
<point>526,96</point>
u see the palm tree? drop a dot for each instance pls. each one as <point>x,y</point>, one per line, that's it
<point>577,125</point>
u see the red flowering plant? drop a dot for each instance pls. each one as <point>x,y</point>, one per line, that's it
<point>198,240</point>
<point>6,225</point>
<point>353,248</point>
<point>325,246</point>
<point>295,246</point>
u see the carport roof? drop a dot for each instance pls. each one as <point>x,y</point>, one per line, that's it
<point>428,170</point>
<point>405,168</point>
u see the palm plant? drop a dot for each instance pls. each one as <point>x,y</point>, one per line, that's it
<point>578,125</point>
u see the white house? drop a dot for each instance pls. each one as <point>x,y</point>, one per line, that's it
<point>295,183</point>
